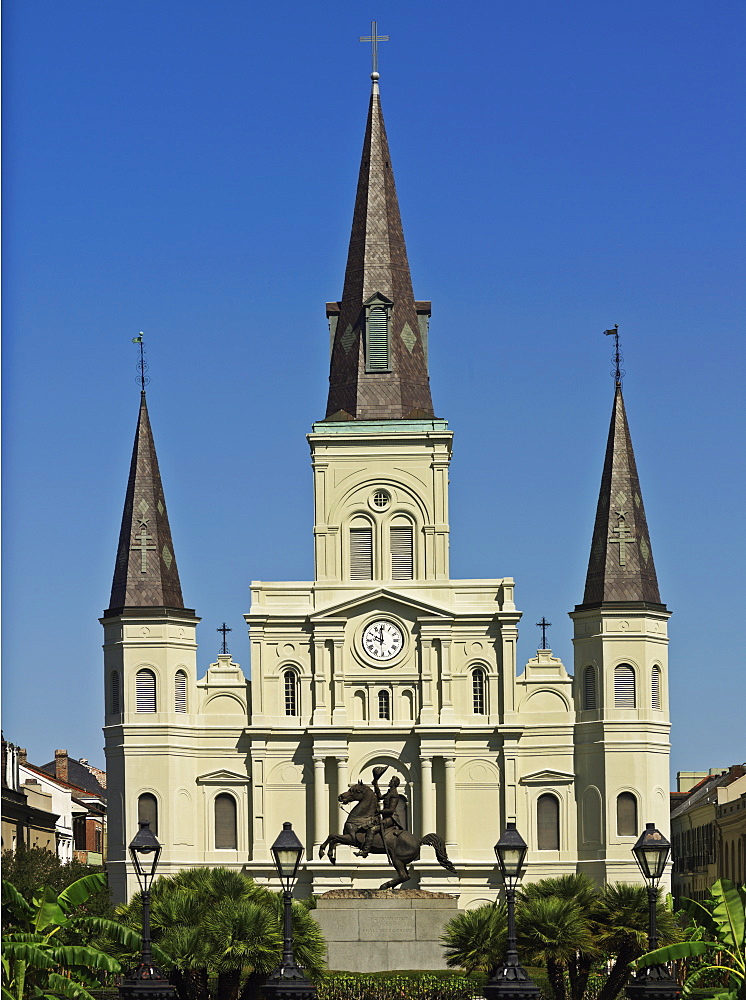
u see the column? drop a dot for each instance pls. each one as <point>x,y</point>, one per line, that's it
<point>320,713</point>
<point>450,764</point>
<point>343,781</point>
<point>339,709</point>
<point>447,714</point>
<point>426,805</point>
<point>427,712</point>
<point>320,808</point>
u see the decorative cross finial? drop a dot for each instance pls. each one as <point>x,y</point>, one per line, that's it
<point>142,364</point>
<point>543,625</point>
<point>225,630</point>
<point>616,357</point>
<point>374,38</point>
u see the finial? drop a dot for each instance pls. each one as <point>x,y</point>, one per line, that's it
<point>616,357</point>
<point>225,630</point>
<point>374,38</point>
<point>142,364</point>
<point>543,625</point>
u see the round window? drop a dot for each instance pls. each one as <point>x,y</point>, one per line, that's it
<point>380,499</point>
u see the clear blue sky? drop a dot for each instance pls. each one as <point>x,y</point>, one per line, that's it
<point>188,169</point>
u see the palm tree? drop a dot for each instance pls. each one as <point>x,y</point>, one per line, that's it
<point>474,940</point>
<point>554,931</point>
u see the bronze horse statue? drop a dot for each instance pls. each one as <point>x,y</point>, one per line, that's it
<point>401,847</point>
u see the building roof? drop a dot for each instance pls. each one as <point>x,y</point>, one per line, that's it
<point>79,778</point>
<point>145,574</point>
<point>620,568</point>
<point>377,265</point>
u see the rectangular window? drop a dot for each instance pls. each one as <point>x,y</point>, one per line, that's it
<point>401,552</point>
<point>377,341</point>
<point>361,553</point>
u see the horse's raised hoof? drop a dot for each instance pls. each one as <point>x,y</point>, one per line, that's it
<point>361,854</point>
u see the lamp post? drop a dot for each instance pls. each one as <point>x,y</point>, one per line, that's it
<point>146,980</point>
<point>511,981</point>
<point>288,980</point>
<point>654,982</point>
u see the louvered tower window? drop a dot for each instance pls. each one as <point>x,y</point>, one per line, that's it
<point>147,810</point>
<point>145,689</point>
<point>115,694</point>
<point>547,823</point>
<point>626,815</point>
<point>589,688</point>
<point>226,828</point>
<point>624,687</point>
<point>477,691</point>
<point>401,552</point>
<point>180,697</point>
<point>291,692</point>
<point>655,688</point>
<point>384,705</point>
<point>377,340</point>
<point>361,553</point>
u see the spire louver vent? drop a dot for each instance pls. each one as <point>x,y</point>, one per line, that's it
<point>377,346</point>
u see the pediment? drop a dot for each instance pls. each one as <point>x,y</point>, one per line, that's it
<point>345,608</point>
<point>378,297</point>
<point>548,777</point>
<point>223,777</point>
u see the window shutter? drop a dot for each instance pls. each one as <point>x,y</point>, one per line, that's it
<point>115,701</point>
<point>656,687</point>
<point>225,823</point>
<point>401,552</point>
<point>147,810</point>
<point>291,699</point>
<point>624,686</point>
<point>477,687</point>
<point>589,688</point>
<point>361,553</point>
<point>145,686</point>
<point>626,815</point>
<point>377,359</point>
<point>547,809</point>
<point>181,694</point>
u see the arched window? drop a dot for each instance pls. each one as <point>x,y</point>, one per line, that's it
<point>655,688</point>
<point>361,550</point>
<point>547,823</point>
<point>624,687</point>
<point>291,692</point>
<point>145,687</point>
<point>180,698</point>
<point>478,699</point>
<point>147,810</point>
<point>402,552</point>
<point>359,706</point>
<point>408,703</point>
<point>226,828</point>
<point>626,815</point>
<point>589,689</point>
<point>115,695</point>
<point>384,705</point>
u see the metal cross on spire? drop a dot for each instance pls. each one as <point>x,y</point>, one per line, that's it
<point>142,364</point>
<point>225,630</point>
<point>616,357</point>
<point>374,38</point>
<point>543,625</point>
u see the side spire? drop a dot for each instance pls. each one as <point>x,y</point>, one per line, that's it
<point>621,567</point>
<point>378,361</point>
<point>145,574</point>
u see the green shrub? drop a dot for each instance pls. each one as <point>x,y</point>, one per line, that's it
<point>398,986</point>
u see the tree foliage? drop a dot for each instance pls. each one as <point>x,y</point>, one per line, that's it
<point>29,869</point>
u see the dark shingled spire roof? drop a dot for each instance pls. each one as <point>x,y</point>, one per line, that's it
<point>145,575</point>
<point>377,265</point>
<point>620,568</point>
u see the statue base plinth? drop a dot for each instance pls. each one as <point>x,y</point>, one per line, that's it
<point>384,931</point>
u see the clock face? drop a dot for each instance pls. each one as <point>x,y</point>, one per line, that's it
<point>383,640</point>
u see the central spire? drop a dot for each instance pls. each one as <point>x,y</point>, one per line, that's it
<point>379,333</point>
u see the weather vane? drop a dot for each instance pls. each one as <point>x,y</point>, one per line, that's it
<point>617,356</point>
<point>225,630</point>
<point>543,625</point>
<point>142,364</point>
<point>374,38</point>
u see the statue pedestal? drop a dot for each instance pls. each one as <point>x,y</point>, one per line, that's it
<point>374,931</point>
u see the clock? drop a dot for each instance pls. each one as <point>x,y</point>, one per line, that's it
<point>382,640</point>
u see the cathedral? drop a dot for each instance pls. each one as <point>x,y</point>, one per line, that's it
<point>382,658</point>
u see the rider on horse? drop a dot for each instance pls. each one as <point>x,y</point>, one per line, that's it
<point>384,820</point>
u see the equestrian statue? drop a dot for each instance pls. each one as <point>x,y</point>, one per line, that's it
<point>376,826</point>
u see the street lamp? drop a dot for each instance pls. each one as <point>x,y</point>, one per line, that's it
<point>288,980</point>
<point>654,982</point>
<point>511,981</point>
<point>146,980</point>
